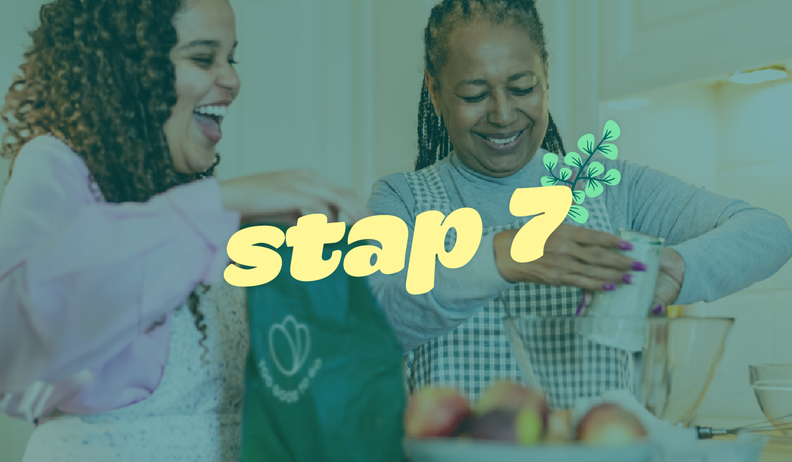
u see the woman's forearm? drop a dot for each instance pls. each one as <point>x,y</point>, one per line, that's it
<point>727,244</point>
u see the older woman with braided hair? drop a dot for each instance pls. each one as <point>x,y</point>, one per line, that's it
<point>483,128</point>
<point>110,220</point>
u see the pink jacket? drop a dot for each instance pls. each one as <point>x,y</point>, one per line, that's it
<point>81,281</point>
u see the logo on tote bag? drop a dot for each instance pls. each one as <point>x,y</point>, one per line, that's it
<point>289,361</point>
<point>299,340</point>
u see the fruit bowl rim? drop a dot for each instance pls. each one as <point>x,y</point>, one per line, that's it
<point>636,319</point>
<point>636,442</point>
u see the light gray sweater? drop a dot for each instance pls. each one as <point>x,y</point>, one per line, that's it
<point>727,244</point>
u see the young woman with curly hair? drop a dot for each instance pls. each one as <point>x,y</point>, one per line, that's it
<point>110,220</point>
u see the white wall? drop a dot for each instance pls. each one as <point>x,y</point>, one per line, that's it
<point>397,73</point>
<point>341,98</point>
<point>16,20</point>
<point>676,132</point>
<point>293,110</point>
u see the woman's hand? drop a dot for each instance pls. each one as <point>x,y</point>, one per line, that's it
<point>573,256</point>
<point>283,197</point>
<point>669,280</point>
<point>669,283</point>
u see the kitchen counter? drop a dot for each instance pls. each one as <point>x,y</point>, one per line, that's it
<point>775,452</point>
<point>772,452</point>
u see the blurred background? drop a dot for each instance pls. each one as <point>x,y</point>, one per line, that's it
<point>333,85</point>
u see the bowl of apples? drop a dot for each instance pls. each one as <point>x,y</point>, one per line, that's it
<point>581,395</point>
<point>512,422</point>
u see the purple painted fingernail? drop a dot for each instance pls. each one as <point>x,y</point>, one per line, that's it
<point>624,245</point>
<point>579,307</point>
<point>609,286</point>
<point>627,278</point>
<point>657,310</point>
<point>638,266</point>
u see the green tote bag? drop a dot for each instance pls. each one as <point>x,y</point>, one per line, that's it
<point>323,378</point>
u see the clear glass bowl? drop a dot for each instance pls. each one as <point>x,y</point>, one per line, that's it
<point>772,385</point>
<point>667,363</point>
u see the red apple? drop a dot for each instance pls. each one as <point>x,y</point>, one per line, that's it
<point>435,412</point>
<point>507,411</point>
<point>609,424</point>
<point>522,427</point>
<point>513,396</point>
<point>510,395</point>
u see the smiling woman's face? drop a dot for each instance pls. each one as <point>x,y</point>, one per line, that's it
<point>492,97</point>
<point>206,82</point>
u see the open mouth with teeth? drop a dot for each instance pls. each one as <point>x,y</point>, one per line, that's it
<point>209,119</point>
<point>502,141</point>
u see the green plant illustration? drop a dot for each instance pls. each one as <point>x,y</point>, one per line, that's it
<point>595,175</point>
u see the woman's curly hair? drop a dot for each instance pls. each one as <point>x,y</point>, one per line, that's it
<point>99,77</point>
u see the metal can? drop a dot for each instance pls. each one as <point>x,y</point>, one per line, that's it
<point>629,300</point>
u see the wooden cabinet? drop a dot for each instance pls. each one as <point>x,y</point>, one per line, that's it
<point>609,49</point>
<point>645,44</point>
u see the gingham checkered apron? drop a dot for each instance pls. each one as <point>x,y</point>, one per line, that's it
<point>478,351</point>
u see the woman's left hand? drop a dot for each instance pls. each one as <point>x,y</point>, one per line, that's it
<point>669,280</point>
<point>669,283</point>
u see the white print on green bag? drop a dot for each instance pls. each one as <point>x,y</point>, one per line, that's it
<point>299,345</point>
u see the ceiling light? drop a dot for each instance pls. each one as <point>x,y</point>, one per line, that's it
<point>759,75</point>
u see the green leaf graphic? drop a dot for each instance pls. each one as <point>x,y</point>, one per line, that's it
<point>565,173</point>
<point>550,161</point>
<point>578,213</point>
<point>595,169</point>
<point>611,131</point>
<point>573,160</point>
<point>549,181</point>
<point>612,178</point>
<point>586,143</point>
<point>609,150</point>
<point>578,197</point>
<point>593,188</point>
